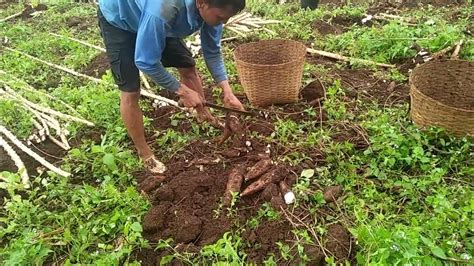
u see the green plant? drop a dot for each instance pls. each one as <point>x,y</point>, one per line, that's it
<point>226,250</point>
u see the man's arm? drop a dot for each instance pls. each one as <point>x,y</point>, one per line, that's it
<point>150,43</point>
<point>211,47</point>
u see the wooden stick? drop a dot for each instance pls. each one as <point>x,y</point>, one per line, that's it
<point>161,98</point>
<point>145,81</point>
<point>455,54</point>
<point>17,160</point>
<point>238,32</point>
<point>59,143</point>
<point>12,16</point>
<point>230,38</point>
<point>79,41</point>
<point>67,70</point>
<point>149,94</point>
<point>348,59</point>
<point>31,153</point>
<point>442,52</point>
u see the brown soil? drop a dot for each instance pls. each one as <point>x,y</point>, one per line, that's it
<point>97,67</point>
<point>5,3</point>
<point>335,25</point>
<point>81,23</point>
<point>184,205</point>
<point>362,83</point>
<point>339,242</point>
<point>325,28</point>
<point>313,91</point>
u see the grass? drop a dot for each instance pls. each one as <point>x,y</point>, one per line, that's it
<point>408,196</point>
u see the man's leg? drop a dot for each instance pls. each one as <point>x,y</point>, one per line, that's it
<point>133,119</point>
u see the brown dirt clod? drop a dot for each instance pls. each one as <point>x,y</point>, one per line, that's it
<point>339,242</point>
<point>313,91</point>
<point>150,183</point>
<point>332,193</point>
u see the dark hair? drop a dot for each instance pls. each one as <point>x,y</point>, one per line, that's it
<point>236,5</point>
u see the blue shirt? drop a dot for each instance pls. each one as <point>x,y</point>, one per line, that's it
<point>153,21</point>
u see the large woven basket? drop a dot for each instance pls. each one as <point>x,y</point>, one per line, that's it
<point>442,94</point>
<point>270,71</point>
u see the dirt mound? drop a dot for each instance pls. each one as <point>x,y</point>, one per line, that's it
<point>188,208</point>
<point>313,91</point>
<point>325,28</point>
<point>97,67</point>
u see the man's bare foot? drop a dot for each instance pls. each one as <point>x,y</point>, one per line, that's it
<point>154,166</point>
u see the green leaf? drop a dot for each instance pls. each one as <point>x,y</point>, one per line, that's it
<point>109,160</point>
<point>308,173</point>
<point>136,227</point>
<point>166,259</point>
<point>438,252</point>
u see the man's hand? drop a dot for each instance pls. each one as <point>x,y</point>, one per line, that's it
<point>189,98</point>
<point>228,97</point>
<point>231,101</point>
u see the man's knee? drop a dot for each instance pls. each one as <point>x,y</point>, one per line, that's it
<point>129,98</point>
<point>188,73</point>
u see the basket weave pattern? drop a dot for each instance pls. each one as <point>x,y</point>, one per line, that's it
<point>271,71</point>
<point>442,94</point>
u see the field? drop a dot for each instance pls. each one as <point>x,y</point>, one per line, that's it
<point>371,187</point>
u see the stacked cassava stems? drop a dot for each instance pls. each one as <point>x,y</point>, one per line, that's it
<point>48,124</point>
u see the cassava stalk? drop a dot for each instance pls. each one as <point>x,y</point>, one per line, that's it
<point>31,153</point>
<point>17,160</point>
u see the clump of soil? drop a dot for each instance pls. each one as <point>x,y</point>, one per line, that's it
<point>325,28</point>
<point>339,242</point>
<point>313,91</point>
<point>97,67</point>
<point>81,23</point>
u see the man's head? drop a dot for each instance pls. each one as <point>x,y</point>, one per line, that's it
<point>215,12</point>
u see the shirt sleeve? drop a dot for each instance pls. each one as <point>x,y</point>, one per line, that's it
<point>150,43</point>
<point>211,47</point>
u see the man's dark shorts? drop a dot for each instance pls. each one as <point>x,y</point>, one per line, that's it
<point>120,46</point>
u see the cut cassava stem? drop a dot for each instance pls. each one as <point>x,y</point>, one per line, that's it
<point>65,69</point>
<point>31,153</point>
<point>29,88</point>
<point>17,160</point>
<point>347,59</point>
<point>455,54</point>
<point>47,110</point>
<point>79,41</point>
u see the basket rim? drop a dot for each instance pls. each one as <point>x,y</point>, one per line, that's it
<point>414,87</point>
<point>295,60</point>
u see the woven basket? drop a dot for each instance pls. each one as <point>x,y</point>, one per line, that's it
<point>442,94</point>
<point>271,71</point>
